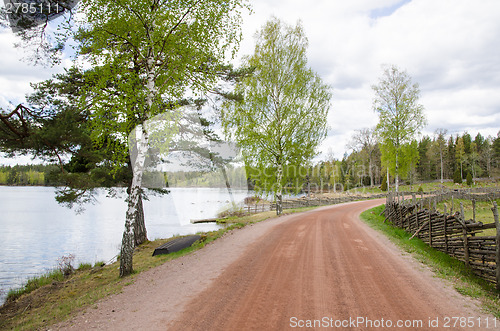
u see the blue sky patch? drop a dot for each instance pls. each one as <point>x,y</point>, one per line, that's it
<point>387,11</point>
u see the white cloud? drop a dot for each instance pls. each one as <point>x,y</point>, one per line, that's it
<point>16,73</point>
<point>450,47</point>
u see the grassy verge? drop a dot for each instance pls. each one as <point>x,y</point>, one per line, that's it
<point>443,265</point>
<point>429,187</point>
<point>53,297</point>
<point>426,187</point>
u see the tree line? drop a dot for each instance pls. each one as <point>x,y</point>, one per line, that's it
<point>28,175</point>
<point>435,158</point>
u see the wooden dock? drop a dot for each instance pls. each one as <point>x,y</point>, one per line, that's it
<point>207,220</point>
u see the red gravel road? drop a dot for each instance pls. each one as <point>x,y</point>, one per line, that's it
<point>323,268</point>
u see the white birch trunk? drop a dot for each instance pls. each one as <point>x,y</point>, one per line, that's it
<point>141,138</point>
<point>370,171</point>
<point>334,182</point>
<point>387,178</point>
<point>128,240</point>
<point>397,173</point>
<point>279,190</point>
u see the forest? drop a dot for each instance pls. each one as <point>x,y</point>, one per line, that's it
<point>447,157</point>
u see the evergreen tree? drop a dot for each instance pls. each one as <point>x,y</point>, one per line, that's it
<point>469,179</point>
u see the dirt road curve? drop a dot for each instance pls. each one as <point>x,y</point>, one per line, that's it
<point>323,265</point>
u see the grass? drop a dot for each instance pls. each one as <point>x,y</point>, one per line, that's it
<point>483,209</point>
<point>426,187</point>
<point>443,265</point>
<point>366,190</point>
<point>429,187</point>
<point>34,283</point>
<point>484,213</point>
<point>51,298</point>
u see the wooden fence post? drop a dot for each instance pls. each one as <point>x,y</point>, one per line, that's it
<point>417,223</point>
<point>430,227</point>
<point>466,239</point>
<point>415,209</point>
<point>445,233</point>
<point>474,210</point>
<point>497,223</point>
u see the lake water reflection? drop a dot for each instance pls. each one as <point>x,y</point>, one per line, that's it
<point>36,231</point>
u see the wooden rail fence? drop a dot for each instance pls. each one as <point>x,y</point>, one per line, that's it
<point>450,232</point>
<point>478,194</point>
<point>324,201</point>
<point>256,208</point>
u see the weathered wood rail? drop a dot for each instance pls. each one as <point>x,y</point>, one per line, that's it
<point>256,208</point>
<point>324,201</point>
<point>450,232</point>
<point>479,194</point>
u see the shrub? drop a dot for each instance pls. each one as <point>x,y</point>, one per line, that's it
<point>469,179</point>
<point>65,264</point>
<point>84,266</point>
<point>457,178</point>
<point>383,186</point>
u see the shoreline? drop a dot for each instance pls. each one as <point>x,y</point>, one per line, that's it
<point>27,307</point>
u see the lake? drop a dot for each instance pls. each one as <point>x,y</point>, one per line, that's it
<point>36,231</point>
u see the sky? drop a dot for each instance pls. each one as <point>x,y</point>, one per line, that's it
<point>451,48</point>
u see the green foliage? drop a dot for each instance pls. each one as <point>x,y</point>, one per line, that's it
<point>401,118</point>
<point>407,158</point>
<point>383,187</point>
<point>28,175</point>
<point>481,162</point>
<point>35,283</point>
<point>146,56</point>
<point>460,154</point>
<point>457,177</point>
<point>282,117</point>
<point>496,146</point>
<point>57,127</point>
<point>469,179</point>
<point>149,54</point>
<point>84,266</point>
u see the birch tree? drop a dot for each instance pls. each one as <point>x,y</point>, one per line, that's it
<point>401,117</point>
<point>149,54</point>
<point>283,115</point>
